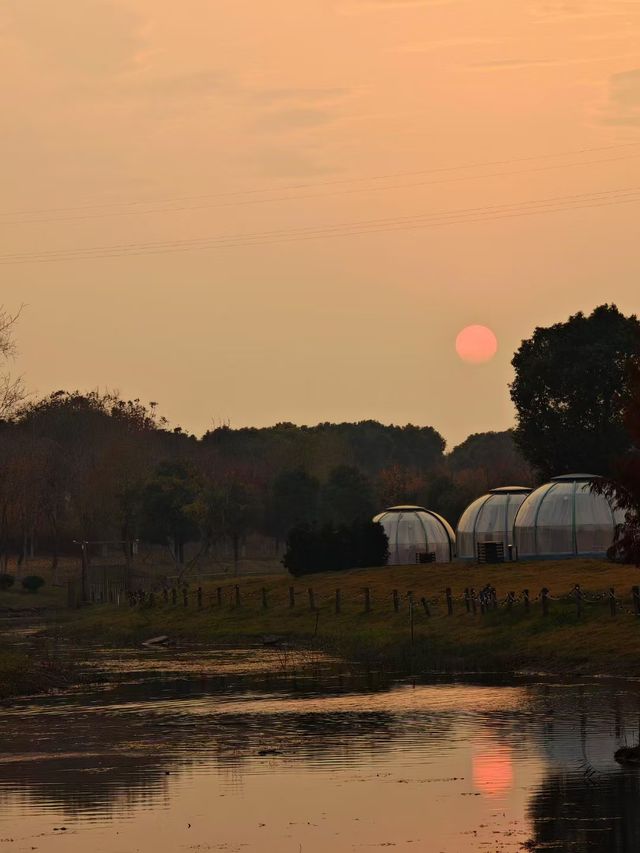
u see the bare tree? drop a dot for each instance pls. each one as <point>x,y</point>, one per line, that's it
<point>11,389</point>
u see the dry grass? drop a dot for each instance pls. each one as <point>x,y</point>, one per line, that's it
<point>499,640</point>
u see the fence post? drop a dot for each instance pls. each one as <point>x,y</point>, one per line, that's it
<point>292,597</point>
<point>264,598</point>
<point>219,596</point>
<point>367,600</point>
<point>174,595</point>
<point>338,601</point>
<point>635,591</point>
<point>494,597</point>
<point>185,596</point>
<point>527,603</point>
<point>396,601</point>
<point>410,597</point>
<point>449,601</point>
<point>237,589</point>
<point>199,594</point>
<point>577,594</point>
<point>544,595</point>
<point>612,601</point>
<point>467,600</point>
<point>312,599</point>
<point>152,599</point>
<point>425,604</point>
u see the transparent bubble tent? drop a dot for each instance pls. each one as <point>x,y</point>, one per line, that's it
<point>490,519</point>
<point>417,535</point>
<point>564,518</point>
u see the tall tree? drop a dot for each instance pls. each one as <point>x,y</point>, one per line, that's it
<point>294,500</point>
<point>569,392</point>
<point>495,456</point>
<point>166,501</point>
<point>623,488</point>
<point>346,496</point>
<point>11,389</point>
<point>398,485</point>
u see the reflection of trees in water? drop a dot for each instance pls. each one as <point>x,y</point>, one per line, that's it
<point>586,812</point>
<point>113,757</point>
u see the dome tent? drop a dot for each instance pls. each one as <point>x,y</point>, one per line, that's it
<point>564,518</point>
<point>414,531</point>
<point>490,519</point>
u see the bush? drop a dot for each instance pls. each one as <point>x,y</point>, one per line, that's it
<point>6,580</point>
<point>32,583</point>
<point>333,549</point>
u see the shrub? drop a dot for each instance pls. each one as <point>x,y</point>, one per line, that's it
<point>32,583</point>
<point>335,548</point>
<point>6,580</point>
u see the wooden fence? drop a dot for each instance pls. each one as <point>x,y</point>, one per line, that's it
<point>475,602</point>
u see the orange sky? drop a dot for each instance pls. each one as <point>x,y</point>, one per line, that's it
<point>344,133</point>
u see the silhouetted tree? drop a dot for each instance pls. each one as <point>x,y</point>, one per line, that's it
<point>166,500</point>
<point>569,391</point>
<point>495,455</point>
<point>11,389</point>
<point>623,487</point>
<point>332,548</point>
<point>370,544</point>
<point>294,500</point>
<point>399,485</point>
<point>347,495</point>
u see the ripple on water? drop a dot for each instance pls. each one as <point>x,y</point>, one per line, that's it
<point>243,758</point>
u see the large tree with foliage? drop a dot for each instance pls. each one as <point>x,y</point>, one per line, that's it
<point>294,500</point>
<point>166,515</point>
<point>347,495</point>
<point>492,455</point>
<point>570,391</point>
<point>623,488</point>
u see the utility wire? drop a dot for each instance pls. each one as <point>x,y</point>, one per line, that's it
<point>349,191</point>
<point>553,204</point>
<point>37,215</point>
<point>376,221</point>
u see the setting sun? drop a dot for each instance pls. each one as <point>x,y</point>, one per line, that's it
<point>476,344</point>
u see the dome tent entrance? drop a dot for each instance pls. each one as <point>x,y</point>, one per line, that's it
<point>490,519</point>
<point>564,518</point>
<point>413,531</point>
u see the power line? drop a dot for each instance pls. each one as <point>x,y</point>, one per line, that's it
<point>377,220</point>
<point>147,206</point>
<point>349,191</point>
<point>553,204</point>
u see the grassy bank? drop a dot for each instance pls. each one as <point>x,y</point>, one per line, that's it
<point>24,672</point>
<point>500,640</point>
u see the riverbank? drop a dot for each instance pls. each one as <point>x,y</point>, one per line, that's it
<point>503,639</point>
<point>25,672</point>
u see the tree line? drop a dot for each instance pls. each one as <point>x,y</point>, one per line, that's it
<point>93,467</point>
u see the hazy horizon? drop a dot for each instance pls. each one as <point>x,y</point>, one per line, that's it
<point>258,213</point>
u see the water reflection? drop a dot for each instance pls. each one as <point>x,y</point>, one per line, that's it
<point>598,814</point>
<point>199,760</point>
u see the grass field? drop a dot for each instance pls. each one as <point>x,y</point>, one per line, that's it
<point>500,640</point>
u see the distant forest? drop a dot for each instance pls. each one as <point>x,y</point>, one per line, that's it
<point>93,467</point>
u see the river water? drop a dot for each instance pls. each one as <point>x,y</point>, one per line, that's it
<point>252,751</point>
